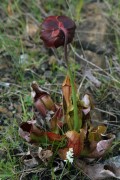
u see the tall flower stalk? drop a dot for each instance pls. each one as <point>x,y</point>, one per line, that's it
<point>77,124</point>
<point>59,31</point>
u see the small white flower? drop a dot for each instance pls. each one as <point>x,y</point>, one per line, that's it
<point>69,156</point>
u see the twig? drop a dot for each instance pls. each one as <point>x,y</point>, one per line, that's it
<point>92,64</point>
<point>107,112</point>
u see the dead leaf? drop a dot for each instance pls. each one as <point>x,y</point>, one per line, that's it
<point>5,111</point>
<point>98,171</point>
<point>31,27</point>
<point>92,78</point>
<point>58,165</point>
<point>52,60</point>
<point>29,160</point>
<point>114,160</point>
<point>98,149</point>
<point>44,155</point>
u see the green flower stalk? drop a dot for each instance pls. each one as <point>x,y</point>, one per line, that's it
<point>59,31</point>
<point>77,124</point>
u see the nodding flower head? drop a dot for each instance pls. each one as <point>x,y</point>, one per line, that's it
<point>54,29</point>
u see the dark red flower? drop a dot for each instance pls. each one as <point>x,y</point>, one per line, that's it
<point>54,30</point>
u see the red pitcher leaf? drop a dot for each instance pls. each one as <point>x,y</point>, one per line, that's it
<point>54,28</point>
<point>29,131</point>
<point>68,108</point>
<point>40,107</point>
<point>42,99</point>
<point>68,118</point>
<point>74,141</point>
<point>56,122</point>
<point>83,134</point>
<point>67,91</point>
<point>95,133</point>
<point>54,137</point>
<point>48,102</point>
<point>63,152</point>
<point>66,154</point>
<point>98,149</point>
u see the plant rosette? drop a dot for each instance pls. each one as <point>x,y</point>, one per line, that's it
<point>64,129</point>
<point>58,133</point>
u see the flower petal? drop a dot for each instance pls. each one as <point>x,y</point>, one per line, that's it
<point>54,29</point>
